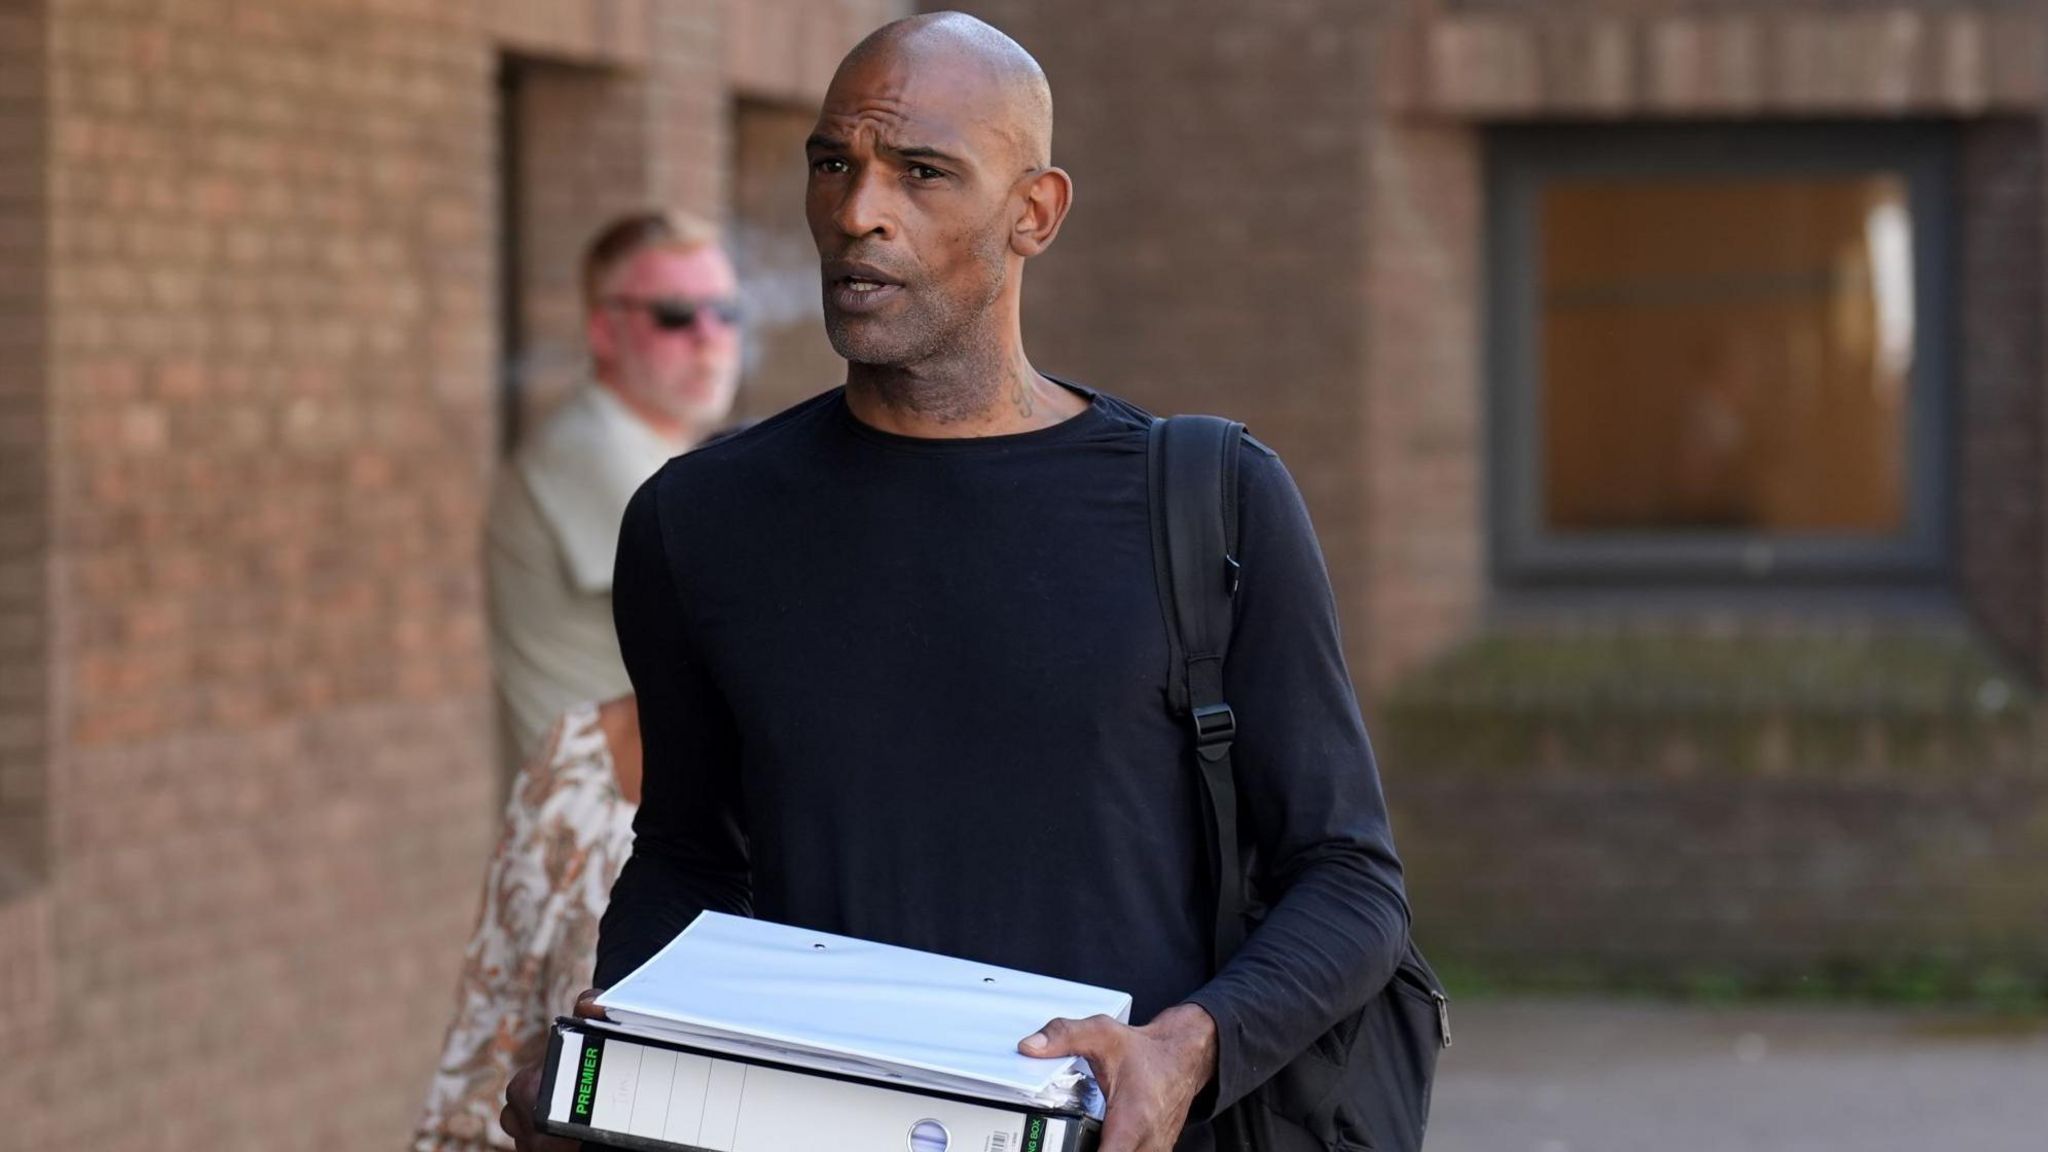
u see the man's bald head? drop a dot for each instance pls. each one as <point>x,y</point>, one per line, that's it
<point>931,182</point>
<point>1010,84</point>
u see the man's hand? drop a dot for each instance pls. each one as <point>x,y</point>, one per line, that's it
<point>1148,1075</point>
<point>516,1118</point>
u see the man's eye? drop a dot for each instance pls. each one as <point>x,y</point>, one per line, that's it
<point>830,166</point>
<point>925,172</point>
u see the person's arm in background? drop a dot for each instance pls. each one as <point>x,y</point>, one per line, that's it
<point>504,995</point>
<point>1309,793</point>
<point>689,850</point>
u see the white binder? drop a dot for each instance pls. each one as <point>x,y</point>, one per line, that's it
<point>752,988</point>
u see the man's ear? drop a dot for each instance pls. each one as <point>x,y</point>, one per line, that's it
<point>1047,196</point>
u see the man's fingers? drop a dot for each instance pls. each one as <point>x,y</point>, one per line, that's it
<point>516,1118</point>
<point>1091,1038</point>
<point>523,1088</point>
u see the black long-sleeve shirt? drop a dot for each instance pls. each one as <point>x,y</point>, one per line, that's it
<point>914,691</point>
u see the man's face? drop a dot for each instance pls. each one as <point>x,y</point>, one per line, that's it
<point>674,373</point>
<point>908,201</point>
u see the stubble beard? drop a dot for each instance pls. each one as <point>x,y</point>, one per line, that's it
<point>697,398</point>
<point>931,329</point>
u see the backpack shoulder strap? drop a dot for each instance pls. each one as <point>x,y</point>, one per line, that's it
<point>1192,464</point>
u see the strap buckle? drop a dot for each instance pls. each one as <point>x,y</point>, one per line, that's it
<point>1215,725</point>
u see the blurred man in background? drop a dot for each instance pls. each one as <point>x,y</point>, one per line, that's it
<point>661,320</point>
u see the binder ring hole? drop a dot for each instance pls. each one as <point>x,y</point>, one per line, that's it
<point>929,1136</point>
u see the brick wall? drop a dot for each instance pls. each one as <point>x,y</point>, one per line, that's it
<point>785,50</point>
<point>1424,439</point>
<point>580,155</point>
<point>593,32</point>
<point>1854,811</point>
<point>241,500</point>
<point>271,295</point>
<point>1999,452</point>
<point>689,106</point>
<point>1504,58</point>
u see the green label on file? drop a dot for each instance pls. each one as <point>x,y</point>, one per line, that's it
<point>586,1079</point>
<point>1034,1134</point>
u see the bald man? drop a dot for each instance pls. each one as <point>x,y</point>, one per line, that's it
<point>900,657</point>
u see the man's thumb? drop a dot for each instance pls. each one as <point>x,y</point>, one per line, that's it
<point>1058,1038</point>
<point>1040,1043</point>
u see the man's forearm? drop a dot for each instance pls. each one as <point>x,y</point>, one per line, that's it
<point>1327,945</point>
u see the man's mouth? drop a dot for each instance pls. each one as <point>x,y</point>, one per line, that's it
<point>860,275</point>
<point>855,287</point>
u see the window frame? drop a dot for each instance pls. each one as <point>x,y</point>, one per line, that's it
<point>1526,552</point>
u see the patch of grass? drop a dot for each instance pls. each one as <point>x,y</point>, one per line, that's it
<point>1713,986</point>
<point>2009,991</point>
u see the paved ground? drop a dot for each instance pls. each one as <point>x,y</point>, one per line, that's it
<point>1547,1076</point>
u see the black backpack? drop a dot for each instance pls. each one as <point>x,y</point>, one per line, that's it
<point>1365,1084</point>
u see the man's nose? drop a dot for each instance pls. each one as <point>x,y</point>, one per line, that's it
<point>864,209</point>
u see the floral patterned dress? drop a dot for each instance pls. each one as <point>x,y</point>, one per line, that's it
<point>567,832</point>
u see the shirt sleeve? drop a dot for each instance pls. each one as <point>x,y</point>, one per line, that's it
<point>1309,795</point>
<point>689,846</point>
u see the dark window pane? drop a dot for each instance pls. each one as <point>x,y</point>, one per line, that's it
<point>1726,353</point>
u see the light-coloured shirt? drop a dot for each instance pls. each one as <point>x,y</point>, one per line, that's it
<point>553,532</point>
<point>568,830</point>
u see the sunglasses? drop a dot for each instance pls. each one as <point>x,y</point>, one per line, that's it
<point>674,313</point>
